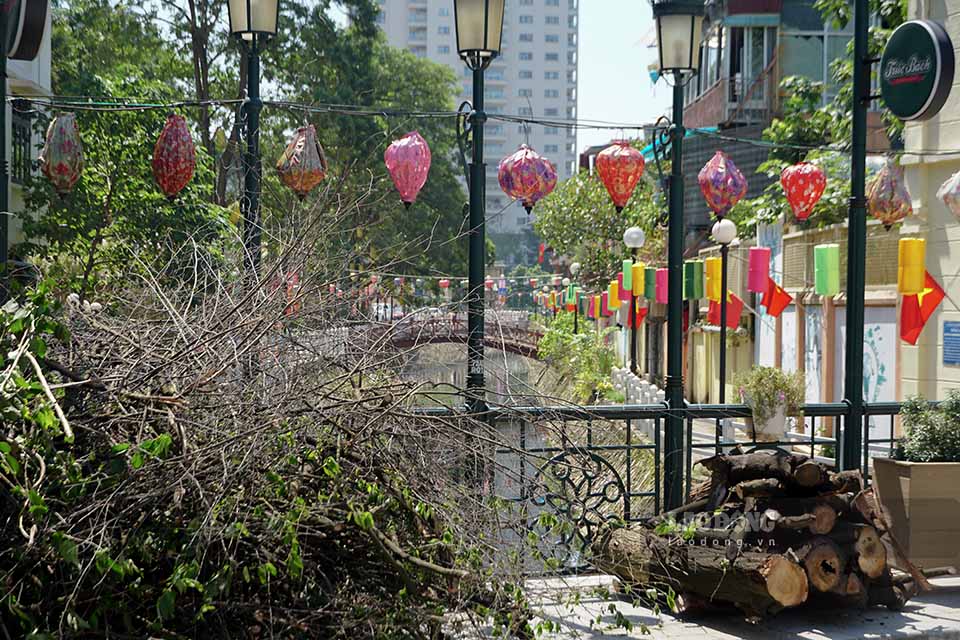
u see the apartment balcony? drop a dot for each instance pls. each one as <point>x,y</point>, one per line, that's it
<point>736,100</point>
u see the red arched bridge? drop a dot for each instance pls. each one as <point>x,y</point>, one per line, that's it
<point>508,330</point>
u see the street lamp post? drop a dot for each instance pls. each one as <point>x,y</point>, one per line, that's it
<point>479,24</point>
<point>679,24</point>
<point>633,237</point>
<point>724,232</point>
<point>574,271</point>
<point>253,22</point>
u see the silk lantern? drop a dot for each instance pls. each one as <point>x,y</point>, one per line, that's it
<point>613,295</point>
<point>650,283</point>
<point>826,263</point>
<point>758,274</point>
<point>408,161</point>
<point>620,167</point>
<point>713,268</point>
<point>62,158</point>
<point>488,283</point>
<point>662,294</point>
<point>911,266</point>
<point>302,165</point>
<point>444,283</point>
<point>637,279</point>
<point>887,197</point>
<point>721,183</point>
<point>527,176</point>
<point>949,192</point>
<point>803,184</point>
<point>174,156</point>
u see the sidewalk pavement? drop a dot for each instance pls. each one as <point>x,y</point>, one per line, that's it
<point>593,615</point>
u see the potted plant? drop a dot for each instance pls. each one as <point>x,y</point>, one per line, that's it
<point>772,394</point>
<point>919,487</point>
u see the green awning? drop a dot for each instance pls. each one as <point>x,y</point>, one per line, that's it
<point>752,20</point>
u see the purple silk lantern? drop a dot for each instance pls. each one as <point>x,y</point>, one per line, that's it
<point>722,183</point>
<point>408,161</point>
<point>527,176</point>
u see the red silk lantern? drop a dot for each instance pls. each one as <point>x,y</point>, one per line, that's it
<point>62,158</point>
<point>408,161</point>
<point>174,157</point>
<point>488,284</point>
<point>803,184</point>
<point>302,165</point>
<point>527,176</point>
<point>722,183</point>
<point>620,167</point>
<point>444,284</point>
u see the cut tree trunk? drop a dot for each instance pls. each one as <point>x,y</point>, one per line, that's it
<point>757,583</point>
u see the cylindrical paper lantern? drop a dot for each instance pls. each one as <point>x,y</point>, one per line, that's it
<point>594,306</point>
<point>613,295</point>
<point>826,259</point>
<point>637,279</point>
<point>650,283</point>
<point>604,303</point>
<point>759,272</point>
<point>713,267</point>
<point>698,280</point>
<point>627,274</point>
<point>911,266</point>
<point>624,291</point>
<point>692,280</point>
<point>661,296</point>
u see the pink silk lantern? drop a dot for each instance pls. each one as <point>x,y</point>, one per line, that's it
<point>620,167</point>
<point>527,176</point>
<point>333,288</point>
<point>62,158</point>
<point>722,183</point>
<point>662,295</point>
<point>623,293</point>
<point>408,161</point>
<point>759,274</point>
<point>302,165</point>
<point>174,156</point>
<point>803,184</point>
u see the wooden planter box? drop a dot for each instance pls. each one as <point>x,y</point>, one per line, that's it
<point>923,501</point>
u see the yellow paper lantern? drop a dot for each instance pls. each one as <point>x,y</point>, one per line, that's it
<point>714,284</point>
<point>637,277</point>
<point>911,266</point>
<point>613,295</point>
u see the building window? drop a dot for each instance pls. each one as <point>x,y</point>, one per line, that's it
<point>551,75</point>
<point>524,55</point>
<point>525,93</point>
<point>551,37</point>
<point>444,30</point>
<point>526,3</point>
<point>526,74</point>
<point>553,19</point>
<point>418,16</point>
<point>552,3</point>
<point>552,57</point>
<point>551,93</point>
<point>551,148</point>
<point>526,19</point>
<point>552,111</point>
<point>420,52</point>
<point>418,34</point>
<point>551,131</point>
<point>524,111</point>
<point>443,12</point>
<point>526,37</point>
<point>22,163</point>
<point>443,49</point>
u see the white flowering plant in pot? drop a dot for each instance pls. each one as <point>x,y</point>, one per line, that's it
<point>772,394</point>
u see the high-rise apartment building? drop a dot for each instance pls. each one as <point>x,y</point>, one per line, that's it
<point>535,75</point>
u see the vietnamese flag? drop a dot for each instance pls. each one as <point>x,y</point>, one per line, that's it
<point>640,312</point>
<point>543,248</point>
<point>775,299</point>
<point>734,310</point>
<point>917,309</point>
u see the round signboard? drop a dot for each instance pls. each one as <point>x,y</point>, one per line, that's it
<point>916,70</point>
<point>26,20</point>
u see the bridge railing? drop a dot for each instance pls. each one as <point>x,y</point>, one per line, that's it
<point>568,469</point>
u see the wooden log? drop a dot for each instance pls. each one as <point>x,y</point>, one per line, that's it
<point>757,583</point>
<point>824,519</point>
<point>823,561</point>
<point>762,488</point>
<point>871,554</point>
<point>752,466</point>
<point>809,474</point>
<point>846,481</point>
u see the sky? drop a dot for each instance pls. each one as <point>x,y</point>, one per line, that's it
<point>613,81</point>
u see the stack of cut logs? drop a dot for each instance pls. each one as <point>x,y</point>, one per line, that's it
<point>768,530</point>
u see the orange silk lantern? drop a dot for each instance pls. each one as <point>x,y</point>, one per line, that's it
<point>620,167</point>
<point>803,184</point>
<point>174,156</point>
<point>302,166</point>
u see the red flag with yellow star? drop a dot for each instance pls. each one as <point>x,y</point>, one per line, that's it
<point>917,309</point>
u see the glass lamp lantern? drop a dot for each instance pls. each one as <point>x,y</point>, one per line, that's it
<point>253,17</point>
<point>479,25</point>
<point>679,33</point>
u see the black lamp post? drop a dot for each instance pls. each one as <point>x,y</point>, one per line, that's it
<point>253,22</point>
<point>679,32</point>
<point>479,25</point>
<point>724,232</point>
<point>633,237</point>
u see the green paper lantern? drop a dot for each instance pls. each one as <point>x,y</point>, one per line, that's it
<point>826,262</point>
<point>693,280</point>
<point>628,274</point>
<point>650,283</point>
